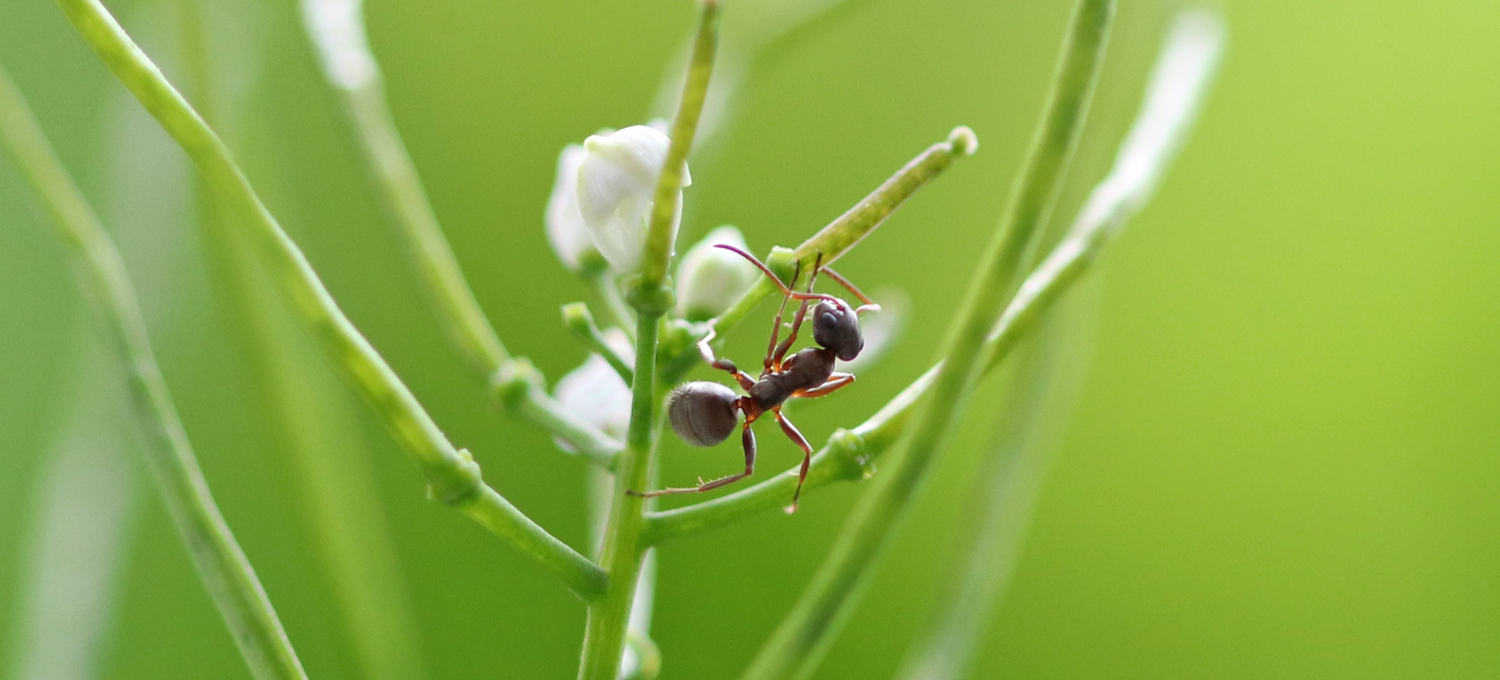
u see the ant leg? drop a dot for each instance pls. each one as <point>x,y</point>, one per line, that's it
<point>807,451</point>
<point>781,349</point>
<point>835,381</point>
<point>776,329</point>
<point>721,364</point>
<point>747,440</point>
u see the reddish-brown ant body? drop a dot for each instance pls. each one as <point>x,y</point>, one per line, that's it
<point>705,413</point>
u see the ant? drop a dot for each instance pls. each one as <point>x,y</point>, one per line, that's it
<point>704,413</point>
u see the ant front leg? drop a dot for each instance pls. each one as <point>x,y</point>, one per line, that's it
<point>791,432</point>
<point>722,364</point>
<point>781,350</point>
<point>769,362</point>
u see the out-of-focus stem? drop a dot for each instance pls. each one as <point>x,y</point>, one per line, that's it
<point>452,475</point>
<point>797,646</point>
<point>222,565</point>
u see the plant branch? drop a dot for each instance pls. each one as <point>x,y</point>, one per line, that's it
<point>835,239</point>
<point>451,474</point>
<point>226,572</point>
<point>337,30</point>
<point>797,646</point>
<point>662,230</point>
<point>1178,87</point>
<point>608,617</point>
<point>580,321</point>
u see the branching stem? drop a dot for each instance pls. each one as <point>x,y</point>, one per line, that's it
<point>452,475</point>
<point>608,617</point>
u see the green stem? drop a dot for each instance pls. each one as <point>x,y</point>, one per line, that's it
<point>337,30</point>
<point>452,475</point>
<point>798,645</point>
<point>835,239</point>
<point>577,318</point>
<point>608,617</point>
<point>662,232</point>
<point>222,565</point>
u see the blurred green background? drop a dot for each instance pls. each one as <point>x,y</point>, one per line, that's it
<point>1282,461</point>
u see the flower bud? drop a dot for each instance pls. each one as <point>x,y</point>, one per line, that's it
<point>616,187</point>
<point>565,231</point>
<point>595,392</point>
<point>711,279</point>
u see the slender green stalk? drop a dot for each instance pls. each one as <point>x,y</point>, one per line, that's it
<point>661,233</point>
<point>948,643</point>
<point>835,239</point>
<point>222,565</point>
<point>452,475</point>
<point>308,408</point>
<point>608,617</point>
<point>337,30</point>
<point>577,318</point>
<point>622,553</point>
<point>798,645</point>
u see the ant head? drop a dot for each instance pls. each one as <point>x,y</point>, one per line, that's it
<point>836,327</point>
<point>703,413</point>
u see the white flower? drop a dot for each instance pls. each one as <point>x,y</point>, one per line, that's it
<point>565,231</point>
<point>711,279</point>
<point>616,186</point>
<point>596,393</point>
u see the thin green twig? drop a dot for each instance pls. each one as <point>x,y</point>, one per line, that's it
<point>798,645</point>
<point>608,617</point>
<point>451,474</point>
<point>580,321</point>
<point>222,565</point>
<point>337,30</point>
<point>835,239</point>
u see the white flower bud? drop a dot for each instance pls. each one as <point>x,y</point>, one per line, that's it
<point>616,186</point>
<point>565,231</point>
<point>711,279</point>
<point>596,393</point>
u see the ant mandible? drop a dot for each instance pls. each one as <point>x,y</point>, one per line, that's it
<point>704,413</point>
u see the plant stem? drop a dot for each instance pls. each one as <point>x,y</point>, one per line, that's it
<point>451,474</point>
<point>577,318</point>
<point>797,646</point>
<point>608,617</point>
<point>835,239</point>
<point>337,29</point>
<point>222,565</point>
<point>662,231</point>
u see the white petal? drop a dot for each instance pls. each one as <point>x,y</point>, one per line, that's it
<point>596,393</point>
<point>616,186</point>
<point>566,233</point>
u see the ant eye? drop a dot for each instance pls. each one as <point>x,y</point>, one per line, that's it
<point>828,320</point>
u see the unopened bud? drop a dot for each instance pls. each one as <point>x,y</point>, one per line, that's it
<point>711,279</point>
<point>566,233</point>
<point>616,187</point>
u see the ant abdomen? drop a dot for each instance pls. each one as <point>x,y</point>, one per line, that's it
<point>703,413</point>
